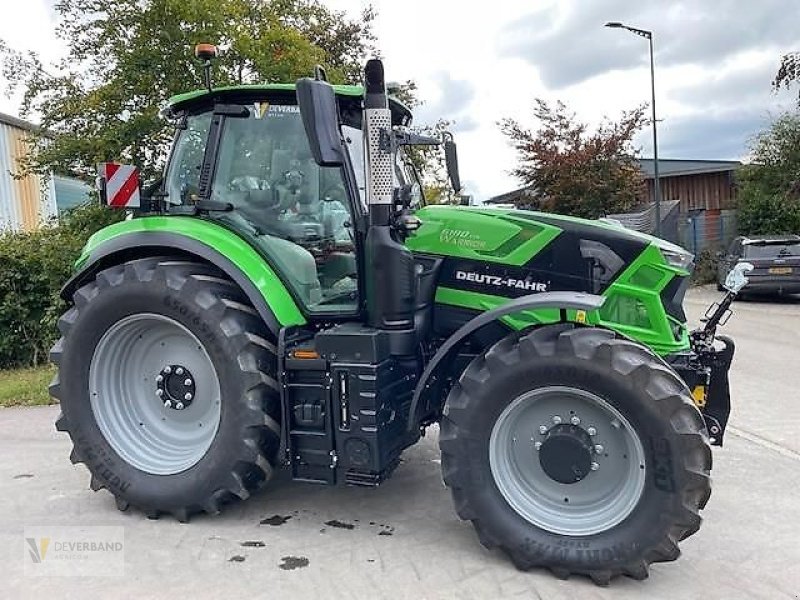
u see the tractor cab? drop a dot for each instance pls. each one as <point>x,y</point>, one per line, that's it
<point>243,153</point>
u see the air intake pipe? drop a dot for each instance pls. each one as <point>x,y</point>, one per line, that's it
<point>390,276</point>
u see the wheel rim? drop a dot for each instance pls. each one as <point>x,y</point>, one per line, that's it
<point>557,421</point>
<point>134,393</point>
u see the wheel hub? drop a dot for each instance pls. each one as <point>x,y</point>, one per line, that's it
<point>590,471</point>
<point>566,453</point>
<point>175,387</point>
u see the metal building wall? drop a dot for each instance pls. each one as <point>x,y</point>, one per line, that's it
<point>24,203</point>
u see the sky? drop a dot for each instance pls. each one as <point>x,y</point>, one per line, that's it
<point>478,62</point>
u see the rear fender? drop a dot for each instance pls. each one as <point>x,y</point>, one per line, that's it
<point>559,300</point>
<point>263,292</point>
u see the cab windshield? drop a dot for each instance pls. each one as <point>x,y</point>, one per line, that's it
<point>295,211</point>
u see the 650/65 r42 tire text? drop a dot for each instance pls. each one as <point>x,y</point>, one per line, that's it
<point>166,379</point>
<point>571,449</point>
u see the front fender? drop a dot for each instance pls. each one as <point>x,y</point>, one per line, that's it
<point>559,300</point>
<point>208,242</point>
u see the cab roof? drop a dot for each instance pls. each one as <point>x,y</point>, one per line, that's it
<point>232,90</point>
<point>198,97</point>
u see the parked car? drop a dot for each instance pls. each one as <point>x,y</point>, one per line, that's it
<point>776,262</point>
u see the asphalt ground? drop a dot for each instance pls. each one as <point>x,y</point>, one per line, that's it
<point>403,539</point>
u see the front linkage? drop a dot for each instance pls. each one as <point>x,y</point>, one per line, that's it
<point>705,367</point>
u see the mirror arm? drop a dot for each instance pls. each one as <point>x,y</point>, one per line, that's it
<point>407,138</point>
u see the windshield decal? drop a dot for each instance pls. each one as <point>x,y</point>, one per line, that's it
<point>261,109</point>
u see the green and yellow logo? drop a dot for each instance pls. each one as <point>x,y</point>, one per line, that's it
<point>38,550</point>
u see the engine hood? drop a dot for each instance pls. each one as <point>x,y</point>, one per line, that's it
<point>514,236</point>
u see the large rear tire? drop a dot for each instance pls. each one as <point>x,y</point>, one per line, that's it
<point>166,379</point>
<point>571,449</point>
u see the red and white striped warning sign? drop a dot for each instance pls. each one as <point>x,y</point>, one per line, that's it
<point>121,185</point>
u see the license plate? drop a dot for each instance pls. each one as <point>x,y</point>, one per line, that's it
<point>780,270</point>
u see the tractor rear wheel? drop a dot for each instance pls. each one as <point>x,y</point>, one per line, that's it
<point>571,449</point>
<point>166,379</point>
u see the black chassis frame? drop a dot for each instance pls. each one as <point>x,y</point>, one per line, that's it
<point>708,366</point>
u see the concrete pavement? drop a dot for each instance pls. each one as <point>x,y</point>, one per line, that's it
<point>403,539</point>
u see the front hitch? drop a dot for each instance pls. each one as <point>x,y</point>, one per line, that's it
<point>705,369</point>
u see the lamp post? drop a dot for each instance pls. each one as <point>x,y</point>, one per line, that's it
<point>648,35</point>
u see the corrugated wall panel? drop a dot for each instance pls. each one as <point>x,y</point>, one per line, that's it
<point>9,218</point>
<point>24,203</point>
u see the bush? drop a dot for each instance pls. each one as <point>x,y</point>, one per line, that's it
<point>769,188</point>
<point>762,213</point>
<point>705,270</point>
<point>33,267</point>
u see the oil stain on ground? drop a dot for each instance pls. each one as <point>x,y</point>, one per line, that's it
<point>275,520</point>
<point>290,563</point>
<point>339,524</point>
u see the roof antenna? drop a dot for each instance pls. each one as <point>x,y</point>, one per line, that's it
<point>205,53</point>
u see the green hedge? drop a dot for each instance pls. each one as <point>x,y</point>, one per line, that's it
<point>33,267</point>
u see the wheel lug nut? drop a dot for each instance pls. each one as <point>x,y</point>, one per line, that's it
<point>594,466</point>
<point>575,420</point>
<point>167,369</point>
<point>537,445</point>
<point>187,382</point>
<point>557,420</point>
<point>159,393</point>
<point>187,396</point>
<point>159,378</point>
<point>179,406</point>
<point>167,404</point>
<point>542,429</point>
<point>179,371</point>
<point>599,448</point>
<point>591,431</point>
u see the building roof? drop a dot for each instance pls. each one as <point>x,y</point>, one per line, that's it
<point>16,122</point>
<point>673,167</point>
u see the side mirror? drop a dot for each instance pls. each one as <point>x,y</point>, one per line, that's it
<point>451,162</point>
<point>321,121</point>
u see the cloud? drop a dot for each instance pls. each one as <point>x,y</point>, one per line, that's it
<point>711,136</point>
<point>455,97</point>
<point>741,86</point>
<point>568,44</point>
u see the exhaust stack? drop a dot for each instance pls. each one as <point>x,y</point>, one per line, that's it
<point>378,144</point>
<point>390,278</point>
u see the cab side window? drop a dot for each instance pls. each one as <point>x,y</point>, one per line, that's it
<point>295,211</point>
<point>183,177</point>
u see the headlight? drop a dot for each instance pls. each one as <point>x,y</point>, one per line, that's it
<point>676,256</point>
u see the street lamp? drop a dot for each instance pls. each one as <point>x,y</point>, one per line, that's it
<point>648,35</point>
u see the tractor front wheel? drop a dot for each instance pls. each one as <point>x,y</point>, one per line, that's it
<point>571,449</point>
<point>166,380</point>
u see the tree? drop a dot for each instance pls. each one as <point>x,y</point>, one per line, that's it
<point>428,161</point>
<point>788,72</point>
<point>573,170</point>
<point>769,187</point>
<point>125,59</point>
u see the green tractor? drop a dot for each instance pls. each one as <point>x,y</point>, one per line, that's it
<point>283,299</point>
